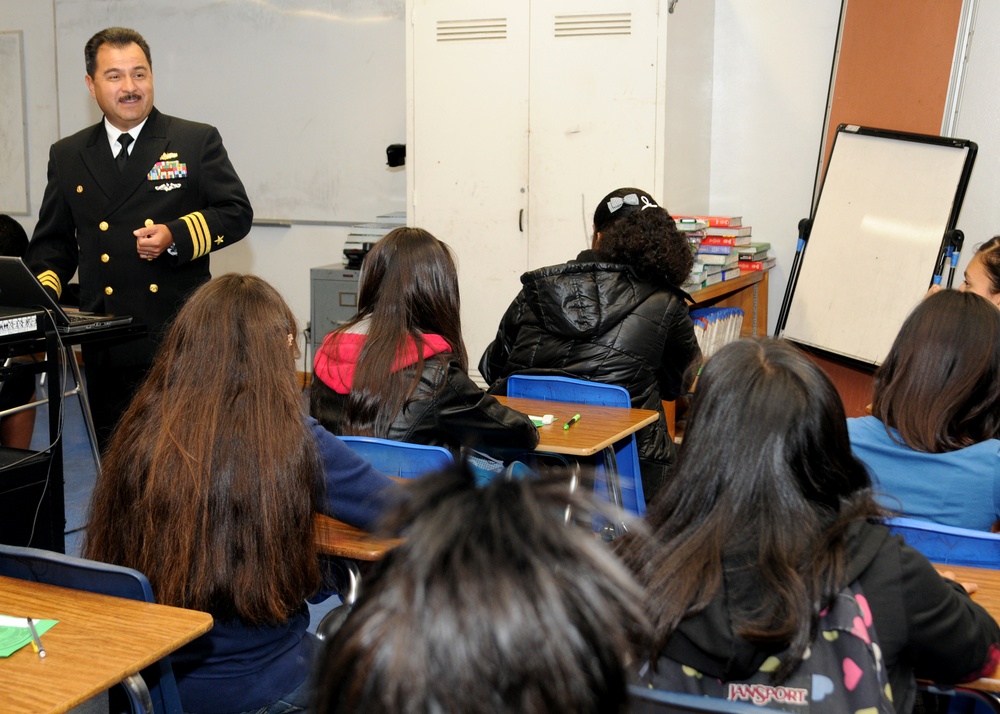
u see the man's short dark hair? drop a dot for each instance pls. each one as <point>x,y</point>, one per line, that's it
<point>116,37</point>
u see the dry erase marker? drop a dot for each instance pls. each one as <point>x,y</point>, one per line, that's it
<point>571,422</point>
<point>36,641</point>
<point>945,259</point>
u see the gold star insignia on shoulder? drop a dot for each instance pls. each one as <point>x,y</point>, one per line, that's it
<point>218,240</point>
<point>168,155</point>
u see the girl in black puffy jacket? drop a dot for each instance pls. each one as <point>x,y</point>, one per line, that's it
<point>616,315</point>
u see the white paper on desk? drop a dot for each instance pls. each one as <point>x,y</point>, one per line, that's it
<point>8,621</point>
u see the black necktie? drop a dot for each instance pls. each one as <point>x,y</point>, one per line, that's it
<point>122,158</point>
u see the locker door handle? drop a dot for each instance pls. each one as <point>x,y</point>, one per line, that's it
<point>520,220</point>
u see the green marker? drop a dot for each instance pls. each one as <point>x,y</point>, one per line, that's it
<point>574,420</point>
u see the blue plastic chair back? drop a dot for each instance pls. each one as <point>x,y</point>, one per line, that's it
<point>658,701</point>
<point>398,458</point>
<point>948,545</point>
<point>65,571</point>
<point>567,389</point>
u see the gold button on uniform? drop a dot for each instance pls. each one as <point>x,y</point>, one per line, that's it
<point>79,189</point>
<point>153,288</point>
<point>103,225</point>
<point>149,222</point>
<point>105,257</point>
<point>108,290</point>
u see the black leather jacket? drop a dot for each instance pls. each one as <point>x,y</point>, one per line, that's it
<point>600,321</point>
<point>446,409</point>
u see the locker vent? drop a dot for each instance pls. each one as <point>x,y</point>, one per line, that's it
<point>492,28</point>
<point>617,23</point>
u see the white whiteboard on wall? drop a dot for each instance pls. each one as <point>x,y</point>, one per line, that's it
<point>307,94</point>
<point>888,200</point>
<point>13,149</point>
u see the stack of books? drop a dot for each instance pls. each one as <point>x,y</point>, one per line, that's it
<point>724,249</point>
<point>715,327</point>
<point>756,256</point>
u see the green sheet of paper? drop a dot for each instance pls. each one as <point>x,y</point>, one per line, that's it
<point>14,633</point>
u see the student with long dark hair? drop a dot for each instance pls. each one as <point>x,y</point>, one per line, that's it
<point>490,605</point>
<point>932,443</point>
<point>209,487</point>
<point>399,369</point>
<point>616,314</point>
<point>768,532</point>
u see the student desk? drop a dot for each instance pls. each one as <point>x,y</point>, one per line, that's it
<point>988,596</point>
<point>597,429</point>
<point>333,537</point>
<point>336,538</point>
<point>99,641</point>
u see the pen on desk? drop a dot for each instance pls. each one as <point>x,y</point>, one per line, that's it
<point>36,641</point>
<point>571,422</point>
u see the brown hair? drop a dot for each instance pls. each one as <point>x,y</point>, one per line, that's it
<point>939,387</point>
<point>989,253</point>
<point>210,480</point>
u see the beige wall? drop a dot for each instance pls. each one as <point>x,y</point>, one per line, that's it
<point>771,66</point>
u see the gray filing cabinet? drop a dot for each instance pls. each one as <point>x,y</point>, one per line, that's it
<point>334,300</point>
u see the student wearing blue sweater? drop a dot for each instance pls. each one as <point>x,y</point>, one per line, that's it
<point>209,486</point>
<point>932,444</point>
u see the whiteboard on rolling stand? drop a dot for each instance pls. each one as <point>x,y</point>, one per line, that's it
<point>888,202</point>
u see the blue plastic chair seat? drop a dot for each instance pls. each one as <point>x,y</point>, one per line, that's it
<point>400,459</point>
<point>566,389</point>
<point>948,545</point>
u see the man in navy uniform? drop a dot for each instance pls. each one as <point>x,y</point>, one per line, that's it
<point>136,203</point>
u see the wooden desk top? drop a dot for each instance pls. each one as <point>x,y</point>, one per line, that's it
<point>598,427</point>
<point>99,641</point>
<point>988,595</point>
<point>333,537</point>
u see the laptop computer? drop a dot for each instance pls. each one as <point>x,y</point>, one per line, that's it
<point>20,288</point>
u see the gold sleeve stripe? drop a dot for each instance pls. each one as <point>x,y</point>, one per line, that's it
<point>190,227</point>
<point>198,227</point>
<point>50,280</point>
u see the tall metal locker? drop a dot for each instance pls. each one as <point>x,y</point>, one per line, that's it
<point>521,115</point>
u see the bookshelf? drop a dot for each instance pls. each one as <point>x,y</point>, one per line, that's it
<point>748,292</point>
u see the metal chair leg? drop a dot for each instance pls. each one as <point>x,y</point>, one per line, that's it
<point>354,583</point>
<point>138,693</point>
<point>88,419</point>
<point>574,481</point>
<point>614,490</point>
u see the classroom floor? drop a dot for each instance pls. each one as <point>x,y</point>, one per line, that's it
<point>79,474</point>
